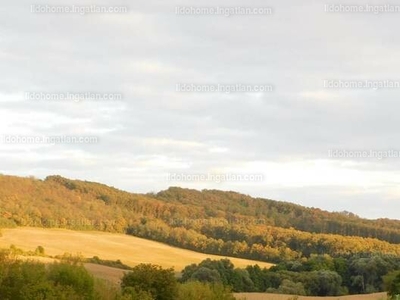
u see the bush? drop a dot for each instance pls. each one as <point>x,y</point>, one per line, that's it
<point>24,280</point>
<point>289,287</point>
<point>73,276</point>
<point>195,290</point>
<point>160,283</point>
<point>392,284</point>
<point>109,263</point>
<point>132,293</point>
<point>40,251</point>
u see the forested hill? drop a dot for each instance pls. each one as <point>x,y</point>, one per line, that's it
<point>209,221</point>
<point>284,214</point>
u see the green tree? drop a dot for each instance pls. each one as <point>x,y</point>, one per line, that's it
<point>39,251</point>
<point>204,274</point>
<point>241,281</point>
<point>160,283</point>
<point>23,280</point>
<point>195,290</point>
<point>392,284</point>
<point>131,293</point>
<point>289,287</point>
<point>329,283</point>
<point>74,276</point>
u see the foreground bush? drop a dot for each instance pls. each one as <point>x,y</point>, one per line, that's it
<point>160,283</point>
<point>69,280</point>
<point>202,291</point>
<point>25,280</point>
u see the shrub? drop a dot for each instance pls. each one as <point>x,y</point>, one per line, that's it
<point>160,283</point>
<point>195,290</point>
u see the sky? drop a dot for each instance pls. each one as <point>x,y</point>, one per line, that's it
<point>317,123</point>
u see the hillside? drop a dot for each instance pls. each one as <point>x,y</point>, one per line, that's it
<point>130,250</point>
<point>209,221</point>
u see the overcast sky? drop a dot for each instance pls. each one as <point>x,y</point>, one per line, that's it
<point>154,132</point>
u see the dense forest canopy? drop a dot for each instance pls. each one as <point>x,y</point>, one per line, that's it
<point>208,221</point>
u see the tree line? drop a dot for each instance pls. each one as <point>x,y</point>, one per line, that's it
<point>319,275</point>
<point>209,221</point>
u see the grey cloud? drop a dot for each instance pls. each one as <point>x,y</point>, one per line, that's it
<point>154,130</point>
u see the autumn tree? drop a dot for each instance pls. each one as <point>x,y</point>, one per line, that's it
<point>160,283</point>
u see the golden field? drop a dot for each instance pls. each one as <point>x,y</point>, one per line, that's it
<point>263,296</point>
<point>112,246</point>
<point>131,251</point>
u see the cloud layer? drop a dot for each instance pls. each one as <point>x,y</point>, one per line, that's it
<point>154,130</point>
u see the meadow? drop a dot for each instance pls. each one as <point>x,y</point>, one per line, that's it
<point>111,246</point>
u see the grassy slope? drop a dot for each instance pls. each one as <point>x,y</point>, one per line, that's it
<point>103,272</point>
<point>260,296</point>
<point>130,250</point>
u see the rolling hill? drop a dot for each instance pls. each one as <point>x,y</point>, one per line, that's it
<point>208,221</point>
<point>311,248</point>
